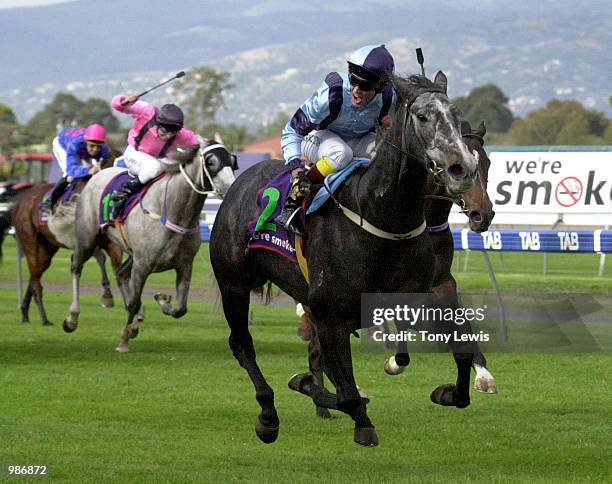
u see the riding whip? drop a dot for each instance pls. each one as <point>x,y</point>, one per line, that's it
<point>176,76</point>
<point>420,60</point>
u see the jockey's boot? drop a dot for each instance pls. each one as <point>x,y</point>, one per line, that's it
<point>119,198</point>
<point>300,187</point>
<point>287,217</point>
<point>46,206</point>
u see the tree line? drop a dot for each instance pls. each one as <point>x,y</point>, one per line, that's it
<point>204,90</point>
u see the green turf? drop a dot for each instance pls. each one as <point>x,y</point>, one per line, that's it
<point>178,408</point>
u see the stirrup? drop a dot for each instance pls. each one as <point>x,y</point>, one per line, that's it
<point>289,225</point>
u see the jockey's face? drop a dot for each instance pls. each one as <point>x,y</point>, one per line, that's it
<point>360,97</point>
<point>166,133</point>
<point>93,148</point>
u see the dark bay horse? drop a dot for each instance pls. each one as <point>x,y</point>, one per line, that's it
<point>162,233</point>
<point>40,242</point>
<point>477,205</point>
<point>346,259</point>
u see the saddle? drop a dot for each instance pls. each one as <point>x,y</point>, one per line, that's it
<point>64,199</point>
<point>265,233</point>
<point>108,217</point>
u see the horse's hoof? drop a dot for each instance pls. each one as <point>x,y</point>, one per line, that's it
<point>324,413</point>
<point>366,436</point>
<point>162,298</point>
<point>47,323</point>
<point>107,302</point>
<point>301,383</point>
<point>484,385</point>
<point>25,321</point>
<point>68,327</point>
<point>392,368</point>
<point>446,395</point>
<point>266,434</point>
<point>122,349</point>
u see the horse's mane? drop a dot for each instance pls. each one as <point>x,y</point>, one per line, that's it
<point>409,88</point>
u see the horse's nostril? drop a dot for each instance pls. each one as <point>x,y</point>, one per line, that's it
<point>457,170</point>
<point>475,217</point>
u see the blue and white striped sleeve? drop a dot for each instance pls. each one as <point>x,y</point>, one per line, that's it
<point>306,119</point>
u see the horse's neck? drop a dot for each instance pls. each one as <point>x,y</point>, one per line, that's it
<point>436,210</point>
<point>391,192</point>
<point>183,204</point>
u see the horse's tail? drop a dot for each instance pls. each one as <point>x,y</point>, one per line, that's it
<point>5,223</point>
<point>9,199</point>
<point>264,292</point>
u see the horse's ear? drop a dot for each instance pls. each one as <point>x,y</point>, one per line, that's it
<point>465,127</point>
<point>218,138</point>
<point>482,129</point>
<point>441,81</point>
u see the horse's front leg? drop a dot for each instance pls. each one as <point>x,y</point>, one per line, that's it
<point>315,364</point>
<point>78,259</point>
<point>397,363</point>
<point>183,281</point>
<point>336,352</point>
<point>107,295</point>
<point>334,337</point>
<point>138,277</point>
<point>458,395</point>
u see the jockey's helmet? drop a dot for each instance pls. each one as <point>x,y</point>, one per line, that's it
<point>372,63</point>
<point>95,133</point>
<point>170,117</point>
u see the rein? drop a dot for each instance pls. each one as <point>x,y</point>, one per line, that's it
<point>359,220</point>
<point>203,171</point>
<point>431,165</point>
<point>459,201</point>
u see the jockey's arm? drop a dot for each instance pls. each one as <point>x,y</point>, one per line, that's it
<point>74,167</point>
<point>135,109</point>
<point>306,119</point>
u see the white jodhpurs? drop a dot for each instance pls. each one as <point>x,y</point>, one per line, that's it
<point>60,155</point>
<point>142,165</point>
<point>317,144</point>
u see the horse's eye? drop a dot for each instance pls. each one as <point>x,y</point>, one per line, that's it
<point>421,117</point>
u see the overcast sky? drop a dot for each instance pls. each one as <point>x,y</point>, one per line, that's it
<point>28,3</point>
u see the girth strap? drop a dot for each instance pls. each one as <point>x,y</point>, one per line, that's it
<point>368,227</point>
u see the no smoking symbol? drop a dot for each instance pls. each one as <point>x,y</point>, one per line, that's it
<point>569,191</point>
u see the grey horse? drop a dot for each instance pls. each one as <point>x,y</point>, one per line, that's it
<point>177,200</point>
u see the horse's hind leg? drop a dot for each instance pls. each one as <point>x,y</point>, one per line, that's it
<point>236,308</point>
<point>183,280</point>
<point>39,261</point>
<point>107,295</point>
<point>25,303</point>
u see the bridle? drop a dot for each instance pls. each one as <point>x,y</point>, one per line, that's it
<point>203,172</point>
<point>429,163</point>
<point>459,201</point>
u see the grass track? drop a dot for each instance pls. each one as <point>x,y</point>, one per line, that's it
<point>178,408</point>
